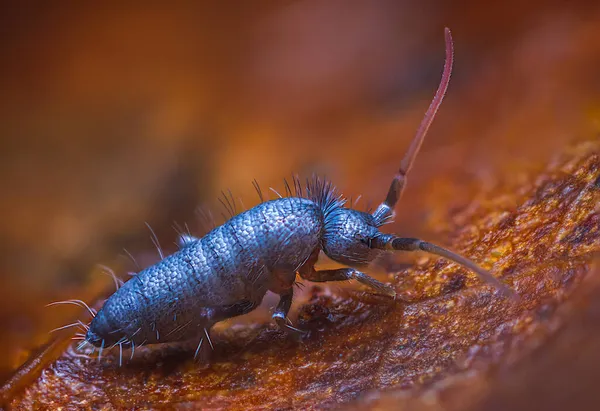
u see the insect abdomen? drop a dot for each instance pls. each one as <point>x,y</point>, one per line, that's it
<point>255,251</point>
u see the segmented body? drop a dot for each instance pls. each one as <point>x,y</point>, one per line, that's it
<point>228,271</point>
<point>225,273</point>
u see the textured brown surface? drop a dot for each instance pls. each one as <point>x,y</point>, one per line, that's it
<point>112,118</point>
<point>359,342</point>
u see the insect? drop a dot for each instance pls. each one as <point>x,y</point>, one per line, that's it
<point>227,272</point>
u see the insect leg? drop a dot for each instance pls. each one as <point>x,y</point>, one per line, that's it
<point>344,274</point>
<point>385,211</point>
<point>228,311</point>
<point>390,242</point>
<point>282,310</point>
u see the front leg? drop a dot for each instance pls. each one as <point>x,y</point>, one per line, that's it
<point>344,274</point>
<point>281,312</point>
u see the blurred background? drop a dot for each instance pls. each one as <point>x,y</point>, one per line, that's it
<point>114,116</point>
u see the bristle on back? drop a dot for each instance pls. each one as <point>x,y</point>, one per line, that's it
<point>319,190</point>
<point>324,194</point>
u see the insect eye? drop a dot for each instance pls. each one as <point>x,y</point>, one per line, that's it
<point>363,240</point>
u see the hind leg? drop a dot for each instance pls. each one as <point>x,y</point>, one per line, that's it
<point>220,314</point>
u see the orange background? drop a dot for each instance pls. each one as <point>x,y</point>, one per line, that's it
<point>114,116</point>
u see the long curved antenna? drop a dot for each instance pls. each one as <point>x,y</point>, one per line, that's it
<point>386,209</point>
<point>391,242</point>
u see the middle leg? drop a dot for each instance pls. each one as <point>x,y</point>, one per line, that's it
<point>281,312</point>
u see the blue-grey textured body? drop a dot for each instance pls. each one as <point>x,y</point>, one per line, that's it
<point>236,263</point>
<point>228,271</point>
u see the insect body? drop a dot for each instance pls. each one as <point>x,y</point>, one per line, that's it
<point>227,272</point>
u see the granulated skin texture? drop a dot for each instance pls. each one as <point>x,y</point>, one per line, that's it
<point>236,263</point>
<point>537,235</point>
